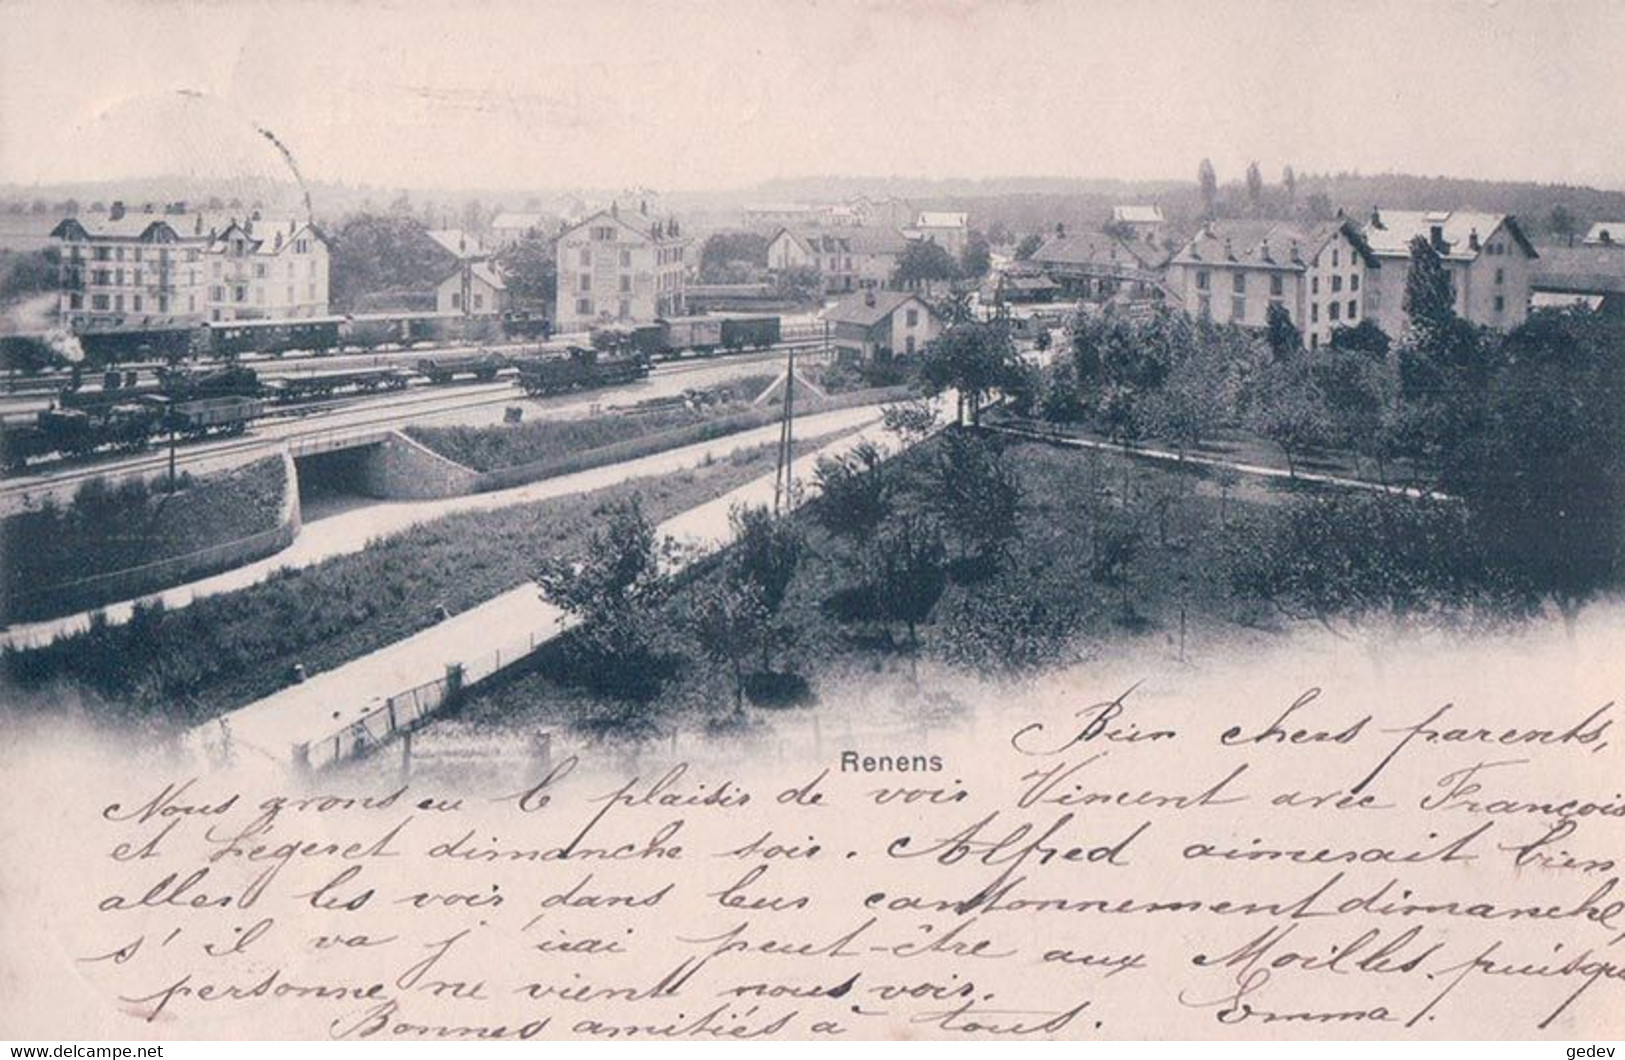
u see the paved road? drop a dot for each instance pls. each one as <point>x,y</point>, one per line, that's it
<point>470,405</point>
<point>351,531</point>
<point>267,731</point>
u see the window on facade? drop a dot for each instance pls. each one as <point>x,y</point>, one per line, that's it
<point>1238,308</point>
<point>98,301</point>
<point>1314,285</point>
<point>1277,285</point>
<point>625,308</point>
<point>118,303</point>
<point>1314,342</point>
<point>1204,306</point>
<point>1354,282</point>
<point>137,253</point>
<point>137,278</point>
<point>135,303</point>
<point>118,253</point>
<point>586,282</point>
<point>584,307</point>
<point>103,253</point>
<point>1238,283</point>
<point>163,303</point>
<point>626,259</point>
<point>479,301</point>
<point>1337,284</point>
<point>1201,280</point>
<point>76,301</point>
<point>1500,303</point>
<point>240,294</point>
<point>626,284</point>
<point>259,270</point>
<point>913,317</point>
<point>1354,309</point>
<point>604,233</point>
<point>1334,310</point>
<point>1500,276</point>
<point>1336,257</point>
<point>1314,313</point>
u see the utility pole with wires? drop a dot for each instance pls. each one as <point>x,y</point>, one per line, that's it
<point>782,474</point>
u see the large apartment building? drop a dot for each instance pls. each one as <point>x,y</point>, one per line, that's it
<point>620,266</point>
<point>1489,260</point>
<point>126,269</point>
<point>1233,271</point>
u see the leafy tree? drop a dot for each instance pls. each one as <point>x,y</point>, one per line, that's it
<point>1563,223</point>
<point>1544,473</point>
<point>1196,394</point>
<point>973,358</point>
<point>767,549</point>
<point>727,617</point>
<point>1255,188</point>
<point>856,493</point>
<point>1430,299</point>
<point>1321,207</point>
<point>910,573</point>
<point>912,420</point>
<point>1118,544</point>
<point>1060,398</point>
<point>613,589</point>
<point>976,259</point>
<point>373,254</point>
<point>1028,246</point>
<point>1208,183</point>
<point>1285,340</point>
<point>923,262</point>
<point>1344,560</point>
<point>1365,337</point>
<point>732,256</point>
<point>799,284</point>
<point>1286,407</point>
<point>530,269</point>
<point>976,494</point>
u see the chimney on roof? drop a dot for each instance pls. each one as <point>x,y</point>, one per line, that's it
<point>197,225</point>
<point>615,209</point>
<point>1297,256</point>
<point>1436,237</point>
<point>1376,217</point>
<point>1264,251</point>
<point>148,208</point>
<point>1229,253</point>
<point>116,211</point>
<point>1472,240</point>
<point>643,207</point>
<point>278,245</point>
<point>869,297</point>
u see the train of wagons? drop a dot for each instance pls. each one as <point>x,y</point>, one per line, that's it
<point>125,414</point>
<point>224,340</point>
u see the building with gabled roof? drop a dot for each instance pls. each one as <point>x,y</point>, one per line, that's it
<point>620,266</point>
<point>846,258</point>
<point>950,231</point>
<point>1096,266</point>
<point>877,325</point>
<point>1489,259</point>
<point>1589,274</point>
<point>128,269</point>
<point>459,243</point>
<point>515,226</point>
<point>1232,271</point>
<point>474,287</point>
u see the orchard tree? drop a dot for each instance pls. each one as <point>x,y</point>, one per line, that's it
<point>973,358</point>
<point>975,494</point>
<point>727,617</point>
<point>613,589</point>
<point>1563,224</point>
<point>856,494</point>
<point>766,552</point>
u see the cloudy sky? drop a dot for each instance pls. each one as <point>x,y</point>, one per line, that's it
<point>724,93</point>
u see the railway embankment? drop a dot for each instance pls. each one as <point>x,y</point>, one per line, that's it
<point>119,540</point>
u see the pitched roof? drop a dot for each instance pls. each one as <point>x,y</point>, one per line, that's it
<point>644,225</point>
<point>1390,231</point>
<point>457,242</point>
<point>931,219</point>
<point>1138,215</point>
<point>848,239</point>
<point>867,308</point>
<point>1606,231</point>
<point>1096,248</point>
<point>1580,270</point>
<point>1265,244</point>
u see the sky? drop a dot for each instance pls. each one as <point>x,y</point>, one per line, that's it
<point>727,93</point>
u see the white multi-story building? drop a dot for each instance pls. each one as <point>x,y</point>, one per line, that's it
<point>1488,258</point>
<point>129,269</point>
<point>620,267</point>
<point>1233,271</point>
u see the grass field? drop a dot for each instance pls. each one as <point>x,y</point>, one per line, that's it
<point>221,652</point>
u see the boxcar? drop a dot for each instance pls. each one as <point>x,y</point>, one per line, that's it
<point>166,342</point>
<point>750,332</point>
<point>690,335</point>
<point>215,415</point>
<point>232,337</point>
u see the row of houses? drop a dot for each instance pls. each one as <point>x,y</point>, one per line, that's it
<point>1326,274</point>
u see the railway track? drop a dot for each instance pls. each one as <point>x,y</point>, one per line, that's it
<point>308,420</point>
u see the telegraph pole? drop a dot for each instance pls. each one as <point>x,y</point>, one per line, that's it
<point>781,477</point>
